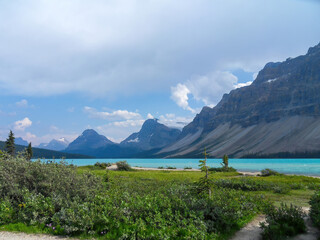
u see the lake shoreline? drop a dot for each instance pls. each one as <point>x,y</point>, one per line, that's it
<point>113,167</point>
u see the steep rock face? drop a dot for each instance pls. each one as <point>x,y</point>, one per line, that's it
<point>152,135</point>
<point>281,93</point>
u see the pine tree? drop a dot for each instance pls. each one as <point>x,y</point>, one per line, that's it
<point>9,144</point>
<point>225,161</point>
<point>204,182</point>
<point>29,152</point>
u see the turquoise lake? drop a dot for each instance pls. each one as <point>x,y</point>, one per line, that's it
<point>309,167</point>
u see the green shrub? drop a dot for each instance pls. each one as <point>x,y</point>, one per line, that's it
<point>315,209</point>
<point>54,197</point>
<point>123,166</point>
<point>250,184</point>
<point>169,167</point>
<point>102,165</point>
<point>187,167</point>
<point>269,172</point>
<point>222,169</point>
<point>283,222</point>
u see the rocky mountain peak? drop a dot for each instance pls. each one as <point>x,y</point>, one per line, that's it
<point>314,50</point>
<point>151,135</point>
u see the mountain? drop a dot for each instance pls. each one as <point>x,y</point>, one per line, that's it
<point>152,135</point>
<point>150,138</point>
<point>44,153</point>
<point>88,143</point>
<point>56,145</point>
<point>278,113</point>
<point>20,141</point>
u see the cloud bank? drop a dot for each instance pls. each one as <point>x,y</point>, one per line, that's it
<point>119,47</point>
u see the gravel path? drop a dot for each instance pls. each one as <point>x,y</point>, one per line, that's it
<point>252,230</point>
<point>25,236</point>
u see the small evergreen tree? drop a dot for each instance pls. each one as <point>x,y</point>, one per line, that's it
<point>225,161</point>
<point>29,152</point>
<point>204,182</point>
<point>9,144</point>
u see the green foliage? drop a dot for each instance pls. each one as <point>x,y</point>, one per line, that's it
<point>204,184</point>
<point>60,199</point>
<point>169,167</point>
<point>123,166</point>
<point>53,198</point>
<point>269,172</point>
<point>283,222</point>
<point>225,161</point>
<point>102,165</point>
<point>222,169</point>
<point>249,184</point>
<point>9,144</point>
<point>29,152</point>
<point>315,209</point>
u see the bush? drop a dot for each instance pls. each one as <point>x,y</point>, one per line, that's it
<point>123,166</point>
<point>269,172</point>
<point>249,184</point>
<point>283,222</point>
<point>169,167</point>
<point>315,209</point>
<point>56,198</point>
<point>222,169</point>
<point>102,165</point>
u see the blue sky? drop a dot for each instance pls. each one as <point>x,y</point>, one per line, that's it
<point>109,65</point>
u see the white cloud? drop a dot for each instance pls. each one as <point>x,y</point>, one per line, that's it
<point>149,116</point>
<point>171,120</point>
<point>66,46</point>
<point>29,137</point>
<point>240,85</point>
<point>115,115</point>
<point>179,94</point>
<point>129,123</point>
<point>22,103</point>
<point>118,131</point>
<point>206,88</point>
<point>21,125</point>
<point>211,87</point>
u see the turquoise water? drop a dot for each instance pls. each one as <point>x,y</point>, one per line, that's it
<point>291,166</point>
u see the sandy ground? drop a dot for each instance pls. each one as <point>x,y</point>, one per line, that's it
<point>24,236</point>
<point>252,230</point>
<point>114,167</point>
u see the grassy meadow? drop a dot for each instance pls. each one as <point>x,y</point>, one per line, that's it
<point>92,202</point>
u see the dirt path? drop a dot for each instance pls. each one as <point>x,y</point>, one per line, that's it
<point>25,236</point>
<point>252,230</point>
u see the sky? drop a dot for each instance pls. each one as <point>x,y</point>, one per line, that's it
<point>66,66</point>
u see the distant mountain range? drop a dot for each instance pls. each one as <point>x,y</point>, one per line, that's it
<point>153,135</point>
<point>56,145</point>
<point>278,113</point>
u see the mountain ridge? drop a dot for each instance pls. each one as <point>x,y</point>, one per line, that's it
<point>283,96</point>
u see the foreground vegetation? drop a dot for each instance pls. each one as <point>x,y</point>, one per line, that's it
<point>92,202</point>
